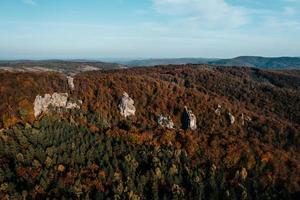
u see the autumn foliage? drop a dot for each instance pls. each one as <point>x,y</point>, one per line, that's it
<point>261,149</point>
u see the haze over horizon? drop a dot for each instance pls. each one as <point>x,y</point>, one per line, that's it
<point>94,29</point>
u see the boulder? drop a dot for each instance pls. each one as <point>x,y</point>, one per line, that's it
<point>248,119</point>
<point>165,122</point>
<point>189,120</point>
<point>126,106</point>
<point>242,119</point>
<point>218,110</point>
<point>231,118</point>
<point>245,118</point>
<point>71,82</point>
<point>73,105</point>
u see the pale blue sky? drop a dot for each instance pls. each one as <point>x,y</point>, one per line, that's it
<point>38,29</point>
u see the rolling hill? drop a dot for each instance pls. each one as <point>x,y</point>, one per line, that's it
<point>261,62</point>
<point>245,143</point>
<point>64,66</point>
<point>246,61</point>
<point>166,61</point>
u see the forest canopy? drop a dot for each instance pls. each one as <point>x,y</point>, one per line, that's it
<point>96,153</point>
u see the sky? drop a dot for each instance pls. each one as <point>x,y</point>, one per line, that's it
<point>94,29</point>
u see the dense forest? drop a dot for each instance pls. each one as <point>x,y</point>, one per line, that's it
<point>96,153</point>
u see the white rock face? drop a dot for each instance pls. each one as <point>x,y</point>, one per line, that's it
<point>59,100</point>
<point>56,100</point>
<point>245,118</point>
<point>248,119</point>
<point>218,110</point>
<point>126,106</point>
<point>41,104</point>
<point>165,122</point>
<point>231,118</point>
<point>72,105</point>
<point>191,119</point>
<point>71,82</point>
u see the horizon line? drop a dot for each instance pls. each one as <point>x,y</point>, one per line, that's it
<point>135,58</point>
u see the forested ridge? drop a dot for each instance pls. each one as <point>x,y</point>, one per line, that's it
<point>96,153</point>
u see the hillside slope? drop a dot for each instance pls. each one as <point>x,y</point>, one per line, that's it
<point>257,155</point>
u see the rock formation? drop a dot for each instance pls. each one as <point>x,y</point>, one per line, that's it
<point>231,118</point>
<point>218,110</point>
<point>72,105</point>
<point>245,118</point>
<point>59,100</point>
<point>165,122</point>
<point>189,119</point>
<point>71,82</point>
<point>126,106</point>
<point>248,119</point>
<point>41,104</point>
<point>56,100</point>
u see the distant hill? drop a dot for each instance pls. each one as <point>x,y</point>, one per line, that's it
<point>248,61</point>
<point>261,62</point>
<point>64,66</point>
<point>77,66</point>
<point>167,61</point>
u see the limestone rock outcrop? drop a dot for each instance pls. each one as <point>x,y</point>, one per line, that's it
<point>71,82</point>
<point>189,119</point>
<point>218,110</point>
<point>126,106</point>
<point>72,105</point>
<point>56,100</point>
<point>41,104</point>
<point>231,118</point>
<point>245,118</point>
<point>59,100</point>
<point>165,122</point>
<point>248,119</point>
